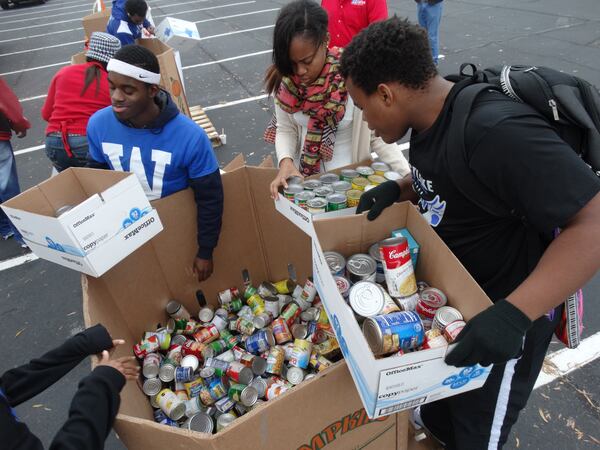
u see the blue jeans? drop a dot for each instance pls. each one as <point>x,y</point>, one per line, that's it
<point>55,150</point>
<point>9,186</point>
<point>429,18</point>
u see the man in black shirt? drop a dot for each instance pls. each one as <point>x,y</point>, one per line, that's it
<point>518,157</point>
<point>94,405</point>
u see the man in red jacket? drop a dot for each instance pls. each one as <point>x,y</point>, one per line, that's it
<point>348,17</point>
<point>11,118</point>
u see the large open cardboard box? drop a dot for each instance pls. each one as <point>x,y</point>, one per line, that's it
<point>95,22</point>
<point>395,383</point>
<point>130,299</point>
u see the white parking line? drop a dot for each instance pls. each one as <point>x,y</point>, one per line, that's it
<point>44,9</point>
<point>40,35</point>
<point>234,58</point>
<point>235,102</point>
<point>238,15</point>
<point>35,68</point>
<point>230,33</point>
<point>45,17</point>
<point>18,261</point>
<point>41,48</point>
<point>29,150</point>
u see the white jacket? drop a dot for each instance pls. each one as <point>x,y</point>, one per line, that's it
<point>364,141</point>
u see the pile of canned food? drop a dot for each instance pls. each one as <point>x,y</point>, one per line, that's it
<point>332,192</point>
<point>203,372</point>
<point>397,314</point>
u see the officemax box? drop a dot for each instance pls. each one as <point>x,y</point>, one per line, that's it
<point>396,383</point>
<point>85,219</point>
<point>323,413</point>
<point>178,34</point>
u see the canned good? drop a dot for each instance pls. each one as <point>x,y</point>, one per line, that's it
<point>228,295</point>
<point>389,305</point>
<point>164,338</point>
<point>376,180</point>
<point>266,289</point>
<point>348,174</point>
<point>224,405</point>
<point>380,168</point>
<point>453,329</point>
<point>291,191</point>
<point>161,417</point>
<point>359,183</point>
<point>260,385</point>
<point>341,187</point>
<point>281,331</point>
<point>219,322</point>
<point>324,191</point>
<point>336,263</point>
<point>247,395</point>
<point>200,422</point>
<point>431,299</point>
<point>244,326</point>
<point>263,319</point>
<point>207,372</point>
<point>285,299</point>
<point>319,362</point>
<point>329,178</point>
<point>219,365</point>
<point>152,386</point>
<point>227,356</point>
<point>365,171</point>
<point>250,291</point>
<point>311,185</point>
<point>178,339</point>
<point>217,389</point>
<point>207,334</point>
<point>272,306</point>
<point>329,349</point>
<point>176,326</point>
<point>301,198</point>
<point>294,180</point>
<point>311,314</point>
<point>316,205</point>
<point>190,361</point>
<point>295,375</point>
<point>182,395</point>
<point>170,404</point>
<point>374,253</point>
<point>230,340</point>
<point>190,327</point>
<point>260,341</point>
<point>390,175</point>
<point>151,365</point>
<point>256,303</point>
<point>146,346</point>
<point>308,292</point>
<point>275,360</point>
<point>361,267</point>
<point>397,266</point>
<point>366,299</point>
<point>409,303</point>
<point>434,339</point>
<point>224,420</point>
<point>206,314</point>
<point>275,390</point>
<point>392,332</point>
<point>240,373</point>
<point>336,201</point>
<point>284,286</point>
<point>206,396</point>
<point>246,312</point>
<point>166,373</point>
<point>183,374</point>
<point>192,407</point>
<point>299,331</point>
<point>353,197</point>
<point>301,353</point>
<point>234,305</point>
<point>444,316</point>
<point>177,311</point>
<point>290,313</point>
<point>193,387</point>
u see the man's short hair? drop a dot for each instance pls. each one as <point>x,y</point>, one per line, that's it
<point>393,50</point>
<point>136,8</point>
<point>138,56</point>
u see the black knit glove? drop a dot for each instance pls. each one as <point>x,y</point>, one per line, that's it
<point>378,198</point>
<point>491,337</point>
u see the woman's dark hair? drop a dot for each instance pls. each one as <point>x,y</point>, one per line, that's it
<point>136,7</point>
<point>138,56</point>
<point>393,50</point>
<point>303,18</point>
<point>93,73</point>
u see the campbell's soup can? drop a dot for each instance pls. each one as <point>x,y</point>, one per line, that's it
<point>391,332</point>
<point>430,301</point>
<point>445,316</point>
<point>397,266</point>
<point>192,348</point>
<point>309,291</point>
<point>170,404</point>
<point>452,331</point>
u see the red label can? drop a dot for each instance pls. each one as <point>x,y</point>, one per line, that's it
<point>193,348</point>
<point>290,313</point>
<point>397,266</point>
<point>207,334</point>
<point>453,330</point>
<point>149,345</point>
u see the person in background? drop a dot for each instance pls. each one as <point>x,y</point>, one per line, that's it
<point>94,406</point>
<point>127,18</point>
<point>348,17</point>
<point>518,156</point>
<point>144,133</point>
<point>75,93</point>
<point>11,119</point>
<point>429,14</point>
<point>315,127</point>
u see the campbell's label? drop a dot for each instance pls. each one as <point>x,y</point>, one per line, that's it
<point>397,267</point>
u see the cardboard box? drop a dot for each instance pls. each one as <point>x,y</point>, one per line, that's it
<point>130,299</point>
<point>179,34</point>
<point>171,78</point>
<point>95,22</point>
<point>110,218</point>
<point>395,383</point>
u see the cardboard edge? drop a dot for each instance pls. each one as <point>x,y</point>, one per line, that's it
<point>235,163</point>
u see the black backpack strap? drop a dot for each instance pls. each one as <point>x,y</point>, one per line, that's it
<point>462,176</point>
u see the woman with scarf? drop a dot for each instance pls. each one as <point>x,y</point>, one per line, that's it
<point>75,93</point>
<point>316,127</point>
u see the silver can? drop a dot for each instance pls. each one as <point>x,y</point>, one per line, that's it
<point>336,263</point>
<point>178,339</point>
<point>177,311</point>
<point>294,180</point>
<point>445,316</point>
<point>316,205</point>
<point>311,185</point>
<point>260,385</point>
<point>206,314</point>
<point>374,253</point>
<point>219,322</point>
<point>152,386</point>
<point>272,306</point>
<point>190,361</point>
<point>324,191</point>
<point>329,178</point>
<point>166,373</point>
<point>227,356</point>
<point>392,176</point>
<point>348,174</point>
<point>365,171</point>
<point>310,314</point>
<point>259,365</point>
<point>224,420</point>
<point>266,289</point>
<point>380,167</point>
<point>342,186</point>
<point>302,197</point>
<point>151,365</point>
<point>295,375</point>
<point>299,331</point>
<point>366,299</point>
<point>361,267</point>
<point>193,406</point>
<point>200,422</point>
<point>249,396</point>
<point>292,190</point>
<point>262,320</point>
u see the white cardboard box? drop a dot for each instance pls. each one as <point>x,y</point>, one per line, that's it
<point>109,219</point>
<point>178,34</point>
<point>395,383</point>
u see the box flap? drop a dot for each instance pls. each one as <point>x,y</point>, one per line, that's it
<point>235,163</point>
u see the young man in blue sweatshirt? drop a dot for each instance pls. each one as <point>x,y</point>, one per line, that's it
<point>144,133</point>
<point>127,19</point>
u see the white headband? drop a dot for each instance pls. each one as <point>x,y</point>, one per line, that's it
<point>129,70</point>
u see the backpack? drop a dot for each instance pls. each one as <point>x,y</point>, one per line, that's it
<point>571,105</point>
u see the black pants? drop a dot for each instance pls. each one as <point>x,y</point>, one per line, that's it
<point>481,419</point>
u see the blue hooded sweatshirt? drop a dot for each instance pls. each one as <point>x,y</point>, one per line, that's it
<point>120,26</point>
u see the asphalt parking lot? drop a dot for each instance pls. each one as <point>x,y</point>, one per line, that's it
<point>40,303</point>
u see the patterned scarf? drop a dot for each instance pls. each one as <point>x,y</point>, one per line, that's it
<point>324,102</point>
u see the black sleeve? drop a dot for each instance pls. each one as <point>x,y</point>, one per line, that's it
<point>24,382</point>
<point>93,164</point>
<point>524,161</point>
<point>14,433</point>
<point>208,194</point>
<point>92,411</point>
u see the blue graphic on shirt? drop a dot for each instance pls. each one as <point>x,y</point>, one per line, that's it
<point>430,204</point>
<point>463,377</point>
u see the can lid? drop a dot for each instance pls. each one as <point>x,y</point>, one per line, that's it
<point>190,361</point>
<point>166,372</point>
<point>304,195</point>
<point>311,313</point>
<point>249,396</point>
<point>299,331</point>
<point>349,173</point>
<point>365,170</point>
<point>374,251</point>
<point>259,365</point>
<point>293,188</point>
<point>433,297</point>
<point>208,352</point>
<point>206,314</point>
<point>269,337</point>
<point>317,202</point>
<point>360,181</point>
<point>177,411</point>
<point>324,191</point>
<point>295,375</point>
<point>259,321</point>
<point>311,184</point>
<point>380,166</point>
<point>354,194</point>
<point>260,384</point>
<point>366,299</point>
<point>170,325</point>
<point>391,175</point>
<point>335,261</point>
<point>392,241</point>
<point>294,180</point>
<point>173,307</point>
<point>341,186</point>
<point>337,197</point>
<point>246,375</point>
<point>178,339</point>
<point>361,264</point>
<point>329,178</point>
<point>224,420</point>
<point>446,315</point>
<point>373,335</point>
<point>193,406</point>
<point>200,422</point>
<point>207,372</point>
<point>152,386</point>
